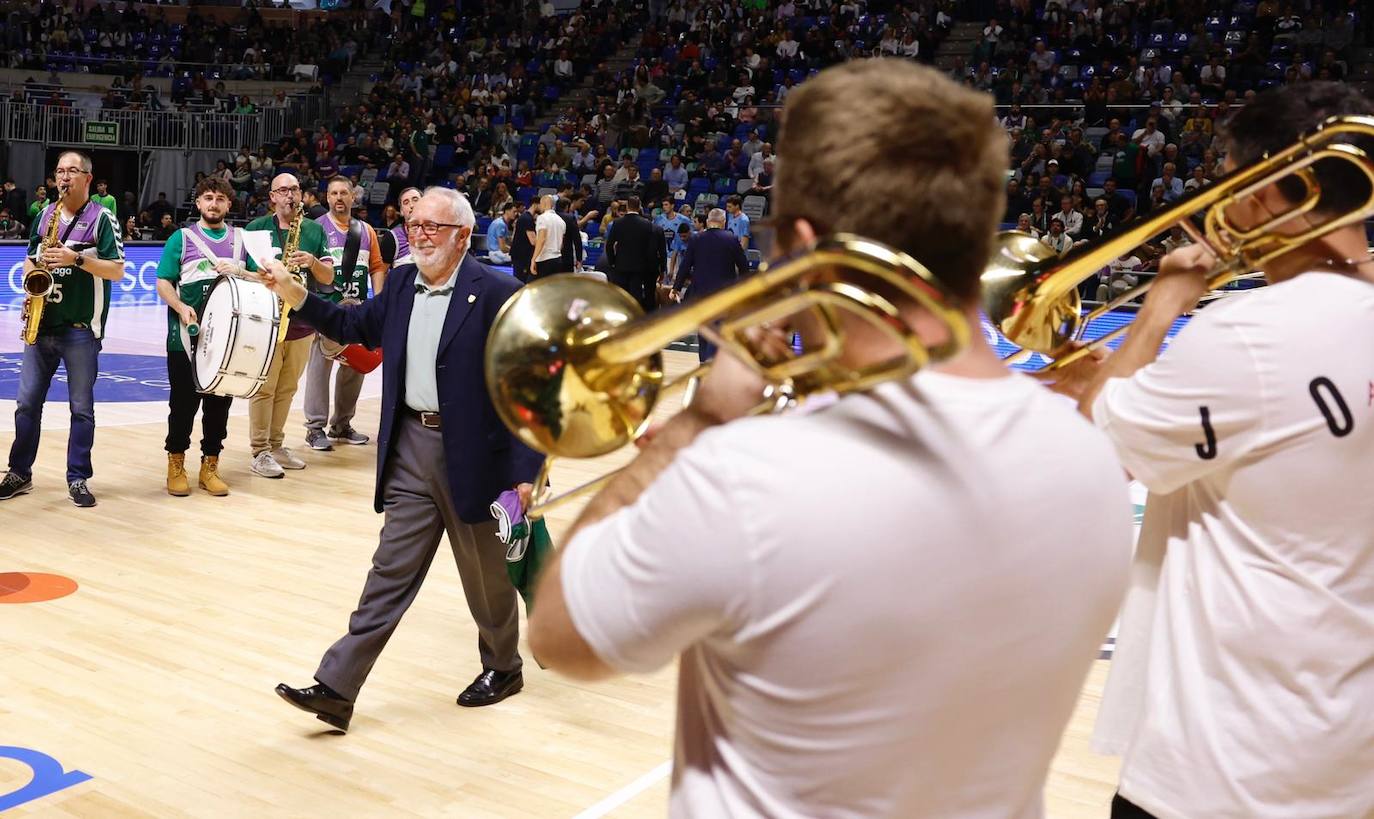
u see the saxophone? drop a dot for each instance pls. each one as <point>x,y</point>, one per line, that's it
<point>291,244</point>
<point>39,282</point>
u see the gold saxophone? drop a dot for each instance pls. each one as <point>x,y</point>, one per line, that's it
<point>289,246</point>
<point>39,282</point>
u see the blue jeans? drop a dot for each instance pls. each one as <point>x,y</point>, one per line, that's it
<point>80,351</point>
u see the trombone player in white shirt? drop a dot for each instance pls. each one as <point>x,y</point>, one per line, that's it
<point>1243,680</point>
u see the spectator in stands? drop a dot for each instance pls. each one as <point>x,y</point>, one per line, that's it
<point>675,175</point>
<point>1023,224</point>
<point>756,160</point>
<point>1119,276</point>
<point>500,198</point>
<point>398,172</point>
<point>1071,219</point>
<point>1154,203</point>
<point>1170,183</point>
<point>1212,78</point>
<point>132,232</point>
<point>40,201</point>
<point>499,235</point>
<point>1176,239</point>
<point>10,228</point>
<point>1039,216</point>
<point>102,196</point>
<point>1100,223</point>
<point>314,208</point>
<point>1197,180</point>
<point>14,199</point>
<point>1057,240</point>
<point>656,188</point>
<point>632,185</point>
<point>165,228</point>
<point>762,182</point>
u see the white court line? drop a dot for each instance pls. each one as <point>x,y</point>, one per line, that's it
<point>626,793</point>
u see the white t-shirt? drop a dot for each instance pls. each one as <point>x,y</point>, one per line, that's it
<point>1243,682</point>
<point>884,608</point>
<point>552,224</point>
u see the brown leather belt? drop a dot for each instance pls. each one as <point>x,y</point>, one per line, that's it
<point>429,420</point>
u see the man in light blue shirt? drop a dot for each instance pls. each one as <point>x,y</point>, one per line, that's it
<point>670,221</point>
<point>737,221</point>
<point>498,235</point>
<point>675,175</point>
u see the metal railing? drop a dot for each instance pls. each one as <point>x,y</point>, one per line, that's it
<point>139,130</point>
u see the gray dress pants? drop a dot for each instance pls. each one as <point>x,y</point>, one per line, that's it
<point>419,510</point>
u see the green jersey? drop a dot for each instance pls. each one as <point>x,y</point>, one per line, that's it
<point>107,201</point>
<point>79,297</point>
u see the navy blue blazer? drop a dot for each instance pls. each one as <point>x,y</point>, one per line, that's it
<point>481,456</point>
<point>713,259</point>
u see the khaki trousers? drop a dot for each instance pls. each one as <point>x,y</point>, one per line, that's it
<point>268,409</point>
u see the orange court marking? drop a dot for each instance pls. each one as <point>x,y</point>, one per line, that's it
<point>33,587</point>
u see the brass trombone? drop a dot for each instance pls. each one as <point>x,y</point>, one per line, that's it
<point>574,369</point>
<point>1032,297</point>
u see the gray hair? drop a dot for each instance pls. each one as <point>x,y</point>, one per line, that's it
<point>716,216</point>
<point>82,159</point>
<point>462,209</point>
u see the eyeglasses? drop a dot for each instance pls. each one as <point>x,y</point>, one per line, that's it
<point>68,172</point>
<point>428,228</point>
<point>285,191</point>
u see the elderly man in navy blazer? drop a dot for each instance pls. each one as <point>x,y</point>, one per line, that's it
<point>443,454</point>
<point>713,259</point>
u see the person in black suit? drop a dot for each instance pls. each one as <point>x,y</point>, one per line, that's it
<point>572,237</point>
<point>522,244</point>
<point>636,255</point>
<point>713,259</point>
<point>443,453</point>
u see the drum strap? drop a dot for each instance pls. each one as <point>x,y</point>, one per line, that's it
<point>188,233</point>
<point>188,341</point>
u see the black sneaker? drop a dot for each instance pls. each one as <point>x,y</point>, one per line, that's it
<point>315,439</point>
<point>81,496</point>
<point>13,486</point>
<point>348,435</point>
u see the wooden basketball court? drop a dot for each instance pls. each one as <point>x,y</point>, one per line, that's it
<point>155,676</point>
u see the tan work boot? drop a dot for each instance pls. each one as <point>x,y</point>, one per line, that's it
<point>209,476</point>
<point>176,475</point>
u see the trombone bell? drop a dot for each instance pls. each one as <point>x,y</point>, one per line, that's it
<point>547,381</point>
<point>1014,297</point>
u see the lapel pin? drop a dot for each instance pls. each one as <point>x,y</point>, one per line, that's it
<point>471,298</point>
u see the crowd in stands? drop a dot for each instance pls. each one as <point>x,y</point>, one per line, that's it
<point>100,39</point>
<point>1112,108</point>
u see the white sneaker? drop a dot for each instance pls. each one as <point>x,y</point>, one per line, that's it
<point>287,459</point>
<point>265,465</point>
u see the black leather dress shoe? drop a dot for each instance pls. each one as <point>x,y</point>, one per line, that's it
<point>491,687</point>
<point>320,700</point>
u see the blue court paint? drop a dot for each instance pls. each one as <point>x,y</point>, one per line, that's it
<point>121,377</point>
<point>48,777</point>
<point>1100,327</point>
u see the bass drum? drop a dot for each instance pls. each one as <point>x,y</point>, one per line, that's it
<point>353,356</point>
<point>237,338</point>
